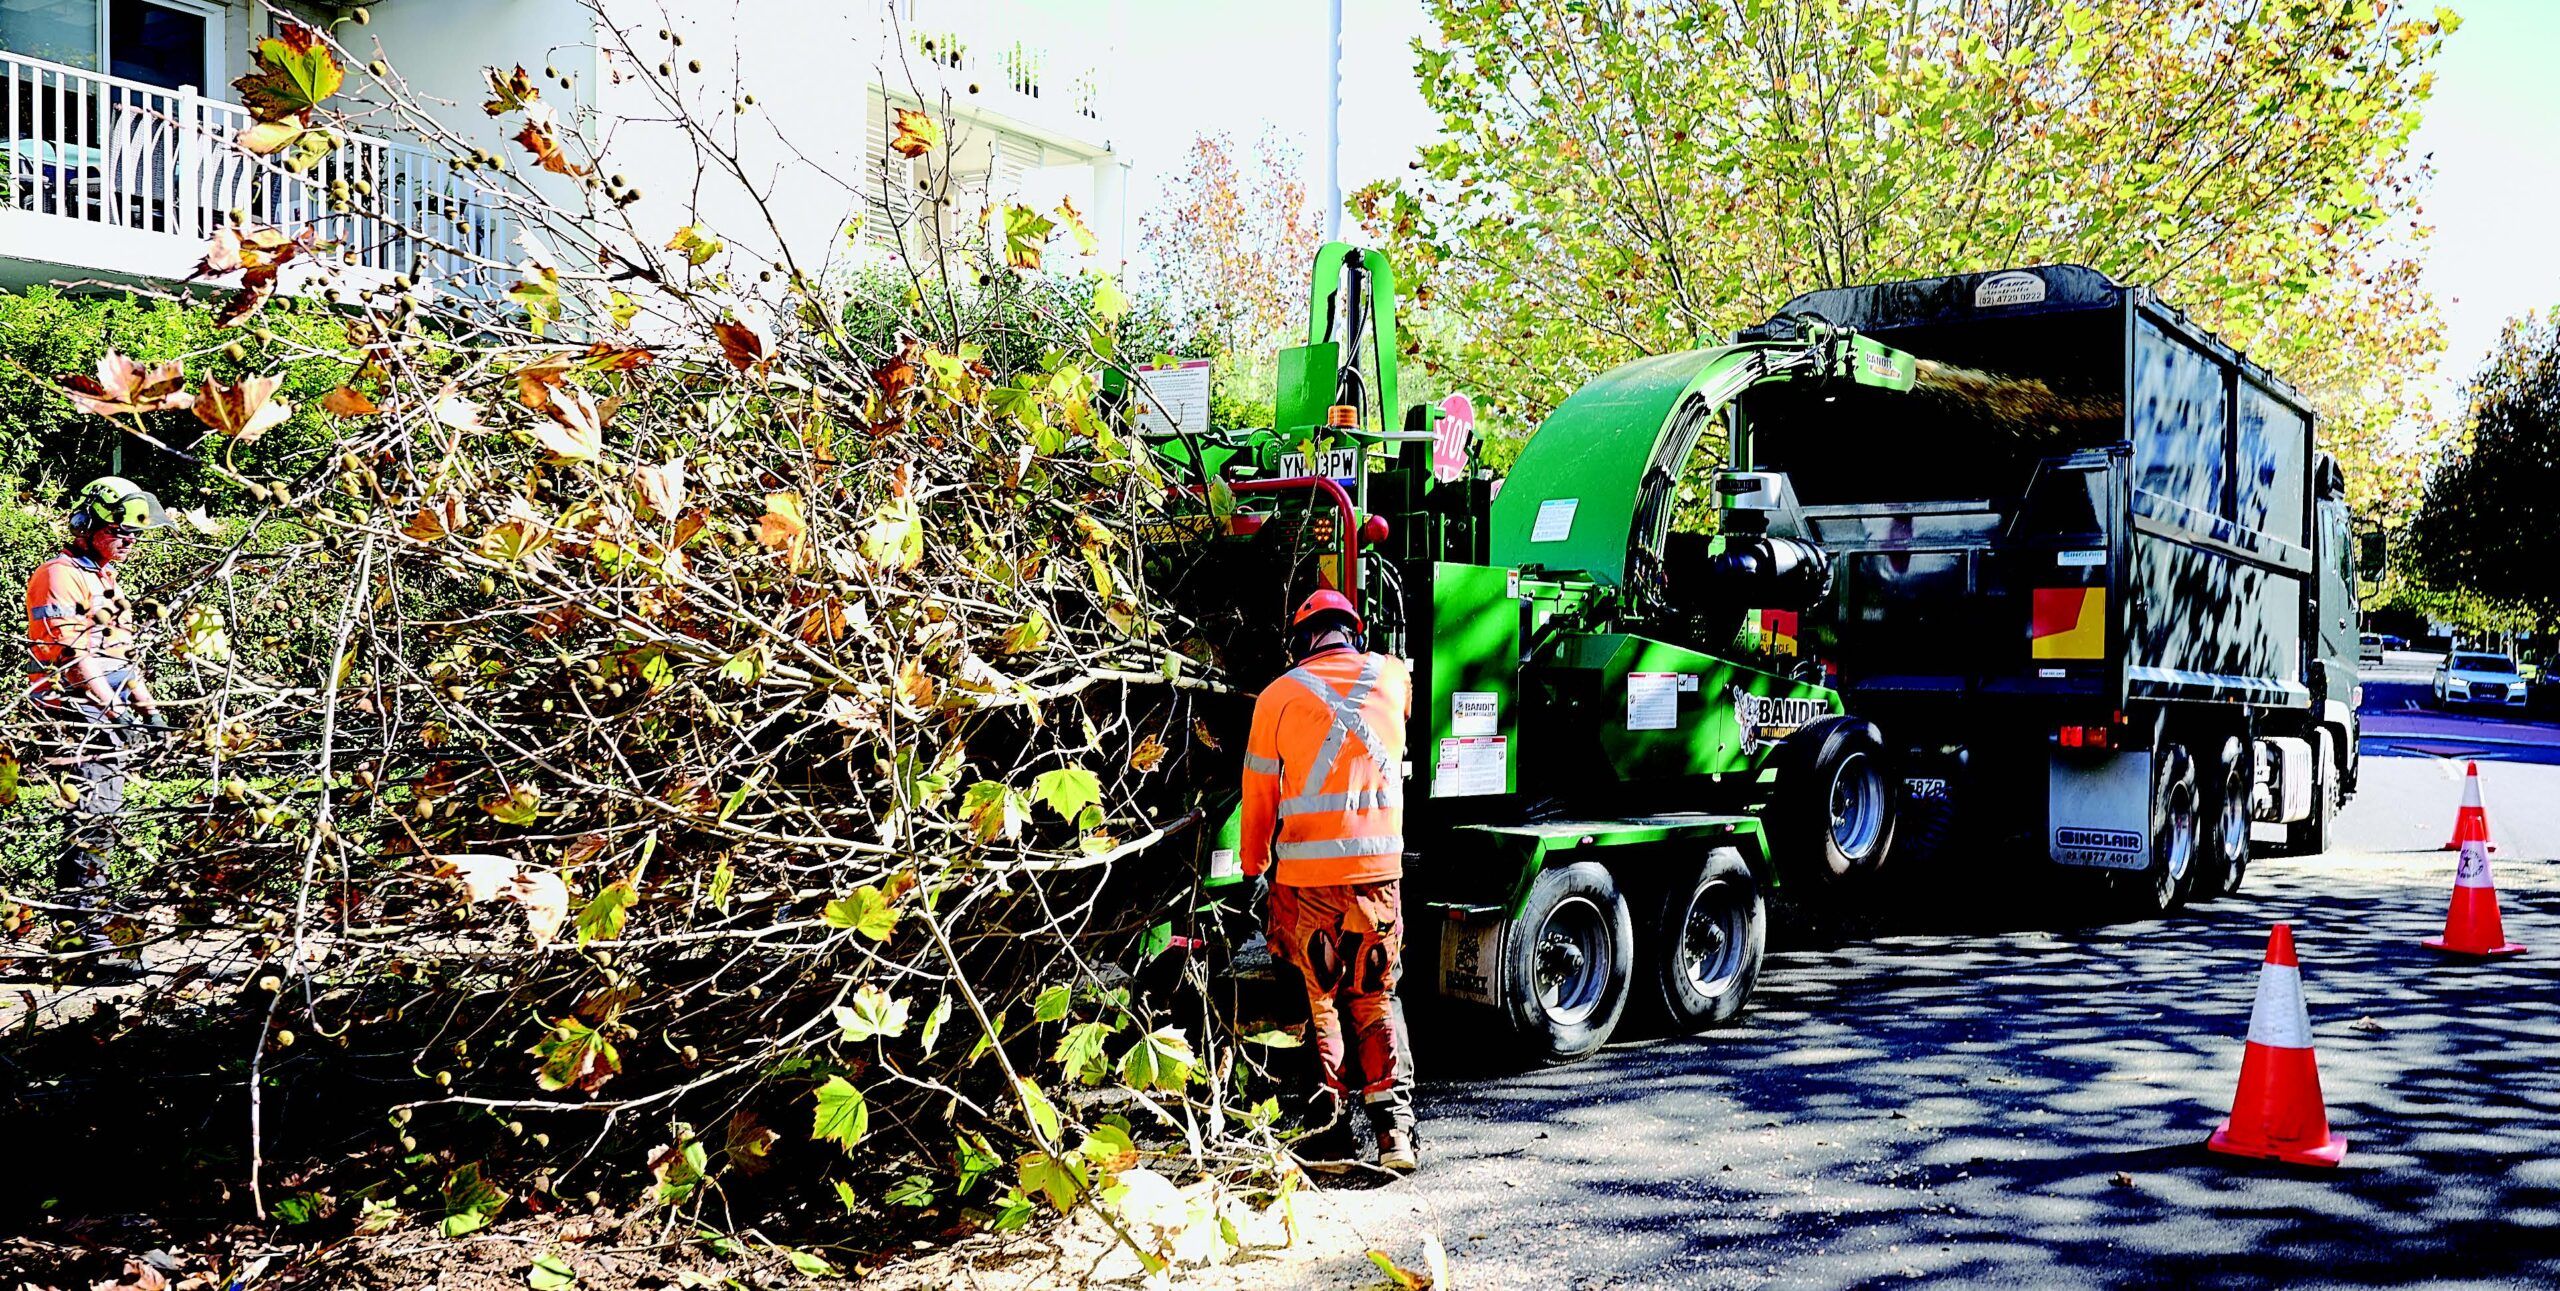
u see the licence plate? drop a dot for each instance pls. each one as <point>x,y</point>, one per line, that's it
<point>1341,464</point>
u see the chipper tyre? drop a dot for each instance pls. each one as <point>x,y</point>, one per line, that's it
<point>2222,855</point>
<point>1703,945</point>
<point>1831,823</point>
<point>1570,960</point>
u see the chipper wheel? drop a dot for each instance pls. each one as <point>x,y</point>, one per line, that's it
<point>1831,823</point>
<point>1702,947</point>
<point>1569,958</point>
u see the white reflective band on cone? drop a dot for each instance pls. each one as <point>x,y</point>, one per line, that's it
<point>2471,790</point>
<point>2472,870</point>
<point>2281,1020</point>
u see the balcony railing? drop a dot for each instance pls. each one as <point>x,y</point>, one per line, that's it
<point>107,151</point>
<point>1016,77</point>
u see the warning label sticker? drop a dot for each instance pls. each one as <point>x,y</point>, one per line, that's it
<point>1472,766</point>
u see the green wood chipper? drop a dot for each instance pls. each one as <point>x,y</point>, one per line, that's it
<point>1606,773</point>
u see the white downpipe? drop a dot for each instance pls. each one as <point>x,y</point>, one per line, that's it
<point>1333,121</point>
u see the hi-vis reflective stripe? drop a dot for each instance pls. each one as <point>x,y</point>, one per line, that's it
<point>2280,1020</point>
<point>1392,795</point>
<point>1334,849</point>
<point>1346,721</point>
<point>1261,765</point>
<point>43,612</point>
<point>2472,869</point>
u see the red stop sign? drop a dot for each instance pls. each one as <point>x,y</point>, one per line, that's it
<point>1449,445</point>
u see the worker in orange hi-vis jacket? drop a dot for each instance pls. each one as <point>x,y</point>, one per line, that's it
<point>86,680</point>
<point>1324,813</point>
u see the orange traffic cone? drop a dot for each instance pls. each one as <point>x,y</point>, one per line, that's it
<point>2471,924</point>
<point>2277,1113</point>
<point>2472,821</point>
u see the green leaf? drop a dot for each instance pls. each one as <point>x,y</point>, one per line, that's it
<point>1036,1105</point>
<point>933,1023</point>
<point>1060,1180</point>
<point>1026,231</point>
<point>696,243</point>
<point>1067,790</point>
<point>678,1168</point>
<point>865,911</point>
<point>575,1055</point>
<point>470,1201</point>
<point>872,1014</point>
<point>722,878</point>
<point>975,1159</point>
<point>602,917</point>
<point>851,1200</point>
<point>1109,302</point>
<point>1276,1038</point>
<point>1080,1051</point>
<point>842,1117</point>
<point>550,1273</point>
<point>1030,634</point>
<point>995,810</point>
<point>809,1263</point>
<point>746,667</point>
<point>1161,1059</point>
<point>1109,1148</point>
<point>295,73</point>
<point>1016,1211</point>
<point>915,1190</point>
<point>538,293</point>
<point>1052,1003</point>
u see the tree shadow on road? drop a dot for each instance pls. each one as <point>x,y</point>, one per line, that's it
<point>2004,1105</point>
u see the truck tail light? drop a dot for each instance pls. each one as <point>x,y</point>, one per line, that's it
<point>2072,736</point>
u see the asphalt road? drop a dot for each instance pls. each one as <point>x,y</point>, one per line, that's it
<point>2013,1099</point>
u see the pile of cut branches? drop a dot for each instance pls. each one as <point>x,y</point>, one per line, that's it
<point>724,761</point>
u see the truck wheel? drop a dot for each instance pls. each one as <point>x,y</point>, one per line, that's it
<point>1705,941</point>
<point>2310,837</point>
<point>1569,959</point>
<point>2223,861</point>
<point>1832,821</point>
<point>2176,828</point>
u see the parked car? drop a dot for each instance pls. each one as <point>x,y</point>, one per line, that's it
<point>2484,679</point>
<point>2369,649</point>
<point>2392,642</point>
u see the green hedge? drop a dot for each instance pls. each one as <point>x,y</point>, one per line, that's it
<point>53,447</point>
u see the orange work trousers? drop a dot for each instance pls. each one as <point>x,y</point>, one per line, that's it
<point>1346,943</point>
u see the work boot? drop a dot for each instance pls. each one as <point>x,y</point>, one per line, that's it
<point>1395,1145</point>
<point>1328,1146</point>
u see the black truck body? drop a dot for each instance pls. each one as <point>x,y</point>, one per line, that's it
<point>2094,578</point>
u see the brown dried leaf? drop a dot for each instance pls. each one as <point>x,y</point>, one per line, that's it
<point>244,411</point>
<point>543,142</point>
<point>347,401</point>
<point>739,344</point>
<point>915,133</point>
<point>662,488</point>
<point>1149,752</point>
<point>124,386</point>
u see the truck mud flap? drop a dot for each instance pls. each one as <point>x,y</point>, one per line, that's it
<point>2098,810</point>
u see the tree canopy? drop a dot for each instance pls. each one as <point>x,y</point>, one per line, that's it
<point>1618,178</point>
<point>2488,526</point>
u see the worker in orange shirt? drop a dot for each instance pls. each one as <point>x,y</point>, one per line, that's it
<point>1324,813</point>
<point>87,683</point>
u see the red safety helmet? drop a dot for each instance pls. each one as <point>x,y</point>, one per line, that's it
<point>1328,601</point>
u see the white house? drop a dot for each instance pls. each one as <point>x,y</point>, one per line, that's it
<point>115,119</point>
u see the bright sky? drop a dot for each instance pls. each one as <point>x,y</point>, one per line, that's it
<point>2493,127</point>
